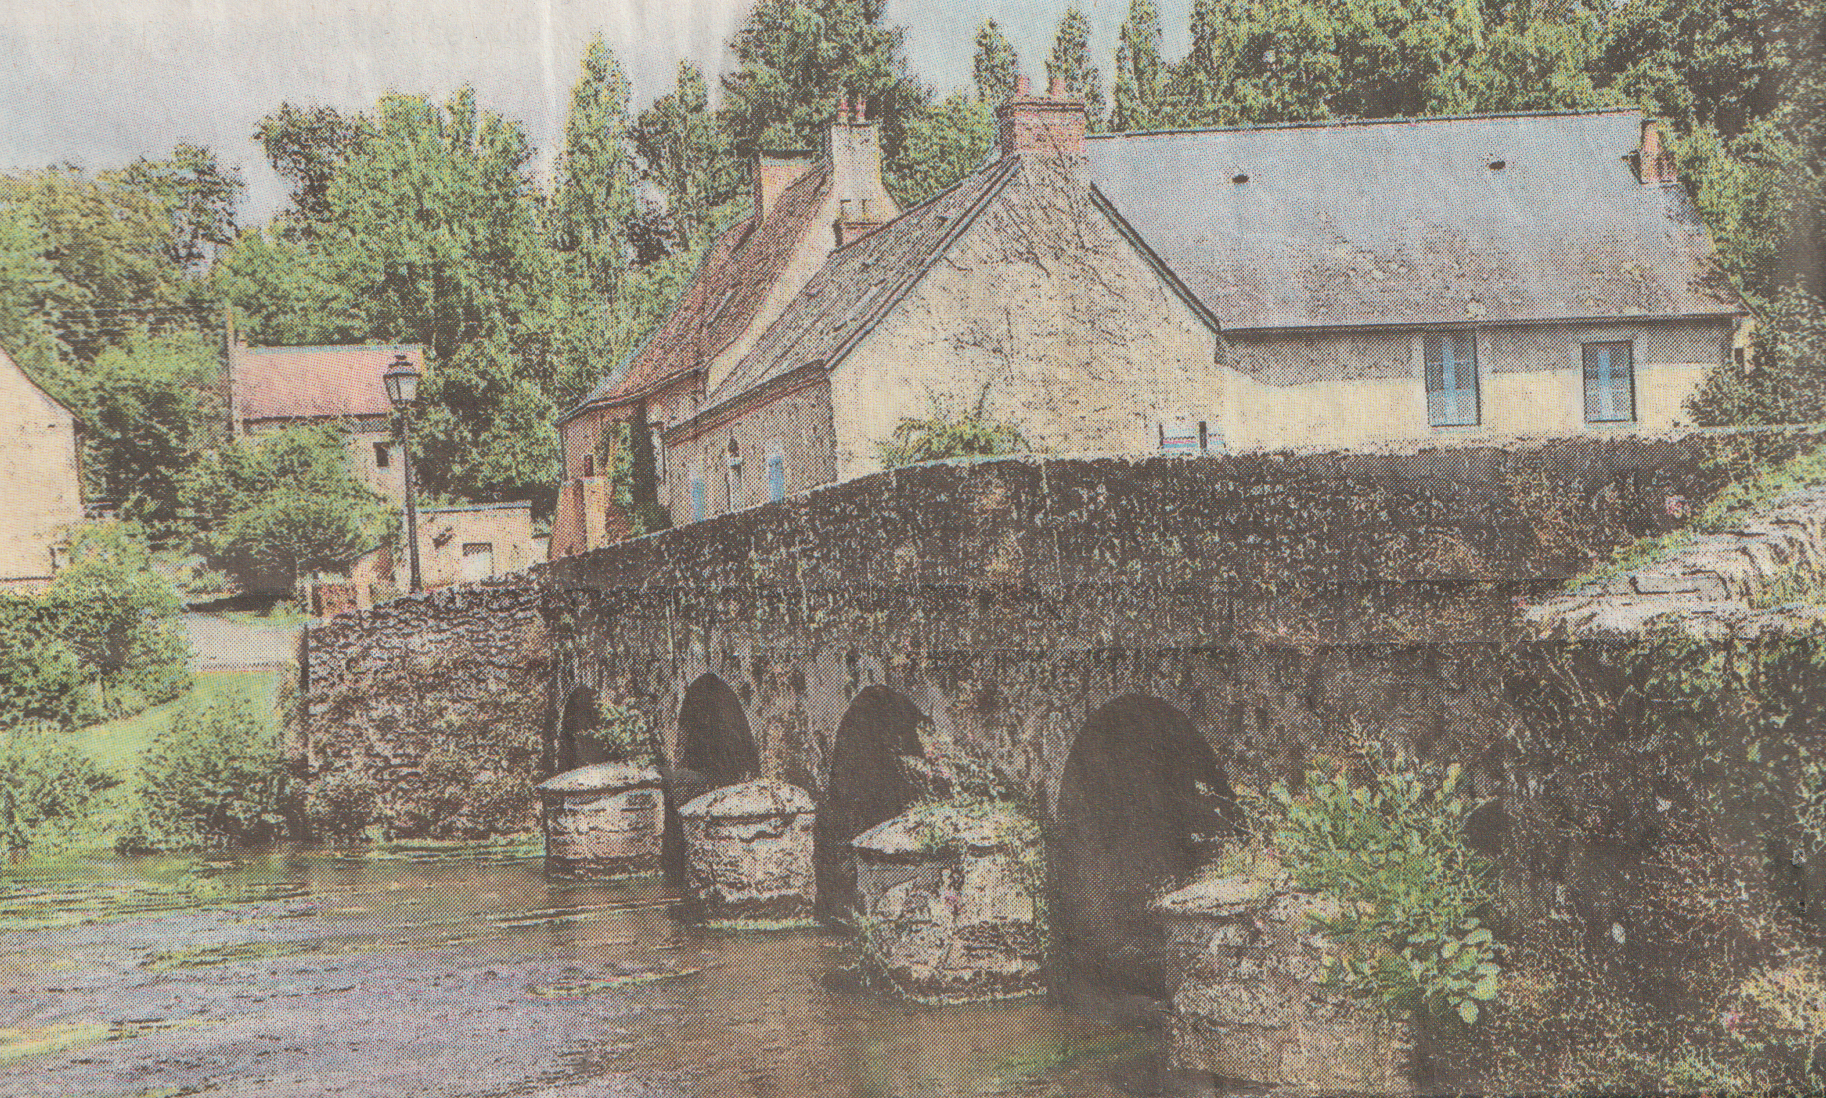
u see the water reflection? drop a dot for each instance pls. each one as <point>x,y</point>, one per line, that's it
<point>433,972</point>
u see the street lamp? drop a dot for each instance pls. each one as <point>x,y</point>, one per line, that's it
<point>402,391</point>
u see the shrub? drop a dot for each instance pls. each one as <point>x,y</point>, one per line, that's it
<point>1409,893</point>
<point>119,615</point>
<point>40,675</point>
<point>215,778</point>
<point>949,433</point>
<point>43,781</point>
<point>341,807</point>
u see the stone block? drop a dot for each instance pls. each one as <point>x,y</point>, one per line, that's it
<point>748,851</point>
<point>603,820</point>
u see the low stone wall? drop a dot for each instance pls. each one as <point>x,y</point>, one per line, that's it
<point>425,716</point>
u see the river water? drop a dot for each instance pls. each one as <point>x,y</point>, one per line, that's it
<point>433,972</point>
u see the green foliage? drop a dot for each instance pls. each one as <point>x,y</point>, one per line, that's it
<point>1785,381</point>
<point>682,150</point>
<point>200,199</point>
<point>948,433</point>
<point>40,674</point>
<point>1388,850</point>
<point>594,201</point>
<point>215,778</point>
<point>796,58</point>
<point>44,783</point>
<point>1071,62</point>
<point>625,733</point>
<point>119,614</point>
<point>944,142</point>
<point>1140,72</point>
<point>276,508</point>
<point>150,405</point>
<point>307,147</point>
<point>996,64</point>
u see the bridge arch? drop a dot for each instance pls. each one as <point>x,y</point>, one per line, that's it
<point>576,743</point>
<point>1142,802</point>
<point>713,737</point>
<point>873,778</point>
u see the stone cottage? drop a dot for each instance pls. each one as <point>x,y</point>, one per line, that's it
<point>1335,284</point>
<point>41,476</point>
<point>273,388</point>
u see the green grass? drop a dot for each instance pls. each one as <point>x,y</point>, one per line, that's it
<point>116,746</point>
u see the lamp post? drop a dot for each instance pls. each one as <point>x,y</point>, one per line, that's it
<point>402,391</point>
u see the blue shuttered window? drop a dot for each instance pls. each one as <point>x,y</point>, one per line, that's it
<point>1452,398</point>
<point>1610,383</point>
<point>776,477</point>
<point>697,496</point>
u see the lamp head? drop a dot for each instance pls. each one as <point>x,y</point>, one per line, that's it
<point>402,382</point>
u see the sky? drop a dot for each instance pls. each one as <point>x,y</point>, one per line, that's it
<point>100,82</point>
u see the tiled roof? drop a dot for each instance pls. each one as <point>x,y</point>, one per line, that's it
<point>1519,218</point>
<point>860,282</point>
<point>277,383</point>
<point>730,287</point>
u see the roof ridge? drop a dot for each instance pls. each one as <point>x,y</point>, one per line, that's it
<point>251,349</point>
<point>1339,123</point>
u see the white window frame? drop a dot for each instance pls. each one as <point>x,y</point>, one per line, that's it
<point>1451,370</point>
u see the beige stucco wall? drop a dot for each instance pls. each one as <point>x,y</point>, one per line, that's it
<point>507,530</point>
<point>1043,306</point>
<point>796,425</point>
<point>39,475</point>
<point>1338,388</point>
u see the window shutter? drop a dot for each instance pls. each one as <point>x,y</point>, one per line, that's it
<point>697,498</point>
<point>1451,378</point>
<point>1610,383</point>
<point>776,477</point>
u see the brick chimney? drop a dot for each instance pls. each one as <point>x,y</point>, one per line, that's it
<point>1654,161</point>
<point>1045,125</point>
<point>774,171</point>
<point>853,147</point>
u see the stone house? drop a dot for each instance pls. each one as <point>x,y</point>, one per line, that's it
<point>1331,284</point>
<point>41,476</point>
<point>272,388</point>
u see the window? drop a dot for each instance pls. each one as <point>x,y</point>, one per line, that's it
<point>1610,383</point>
<point>697,495</point>
<point>589,465</point>
<point>732,476</point>
<point>478,560</point>
<point>1452,380</point>
<point>658,437</point>
<point>1180,435</point>
<point>776,476</point>
<point>383,455</point>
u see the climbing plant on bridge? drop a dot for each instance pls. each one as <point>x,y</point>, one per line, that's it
<point>1387,848</point>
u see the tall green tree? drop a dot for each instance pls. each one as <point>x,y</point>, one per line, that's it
<point>307,147</point>
<point>996,65</point>
<point>593,200</point>
<point>796,58</point>
<point>120,615</point>
<point>151,405</point>
<point>944,142</point>
<point>201,200</point>
<point>683,151</point>
<point>1140,71</point>
<point>1071,62</point>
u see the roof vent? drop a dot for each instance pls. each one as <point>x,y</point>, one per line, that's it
<point>1238,175</point>
<point>1496,163</point>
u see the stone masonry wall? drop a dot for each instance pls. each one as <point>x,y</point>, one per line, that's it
<point>425,715</point>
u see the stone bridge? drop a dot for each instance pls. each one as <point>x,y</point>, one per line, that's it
<point>1120,642</point>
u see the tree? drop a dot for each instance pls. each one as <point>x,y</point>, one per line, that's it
<point>996,66</point>
<point>683,152</point>
<point>307,147</point>
<point>1784,380</point>
<point>278,508</point>
<point>593,201</point>
<point>944,142</point>
<point>1139,70</point>
<point>119,614</point>
<point>947,432</point>
<point>40,675</point>
<point>796,58</point>
<point>151,405</point>
<point>200,198</point>
<point>1071,62</point>
<point>28,282</point>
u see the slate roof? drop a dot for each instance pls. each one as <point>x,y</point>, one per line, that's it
<point>860,282</point>
<point>1406,222</point>
<point>723,298</point>
<point>277,383</point>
